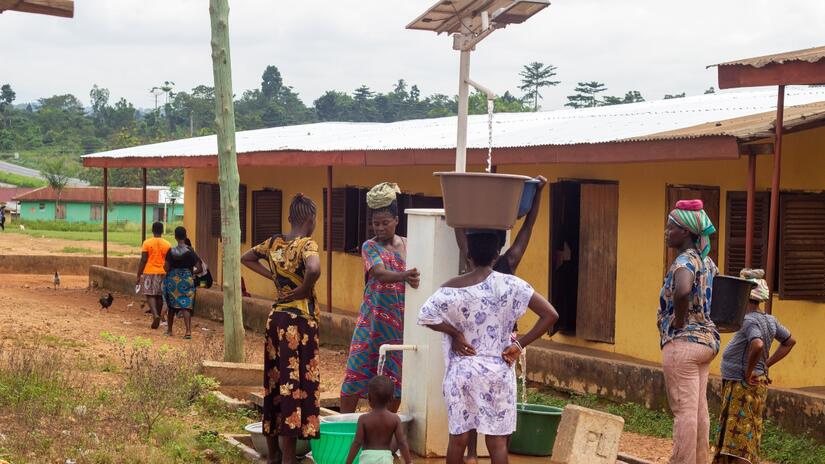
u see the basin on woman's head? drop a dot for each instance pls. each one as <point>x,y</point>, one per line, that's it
<point>259,441</point>
<point>478,200</point>
<point>536,427</point>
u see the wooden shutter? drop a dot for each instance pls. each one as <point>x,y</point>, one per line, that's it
<point>216,210</point>
<point>267,211</point>
<point>359,228</point>
<point>710,196</point>
<point>339,218</point>
<point>598,234</point>
<point>242,210</point>
<point>405,201</point>
<point>802,246</point>
<point>737,210</point>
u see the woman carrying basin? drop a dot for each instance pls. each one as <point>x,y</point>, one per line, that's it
<point>381,320</point>
<point>476,312</point>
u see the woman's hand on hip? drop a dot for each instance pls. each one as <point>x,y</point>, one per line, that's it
<point>511,354</point>
<point>461,347</point>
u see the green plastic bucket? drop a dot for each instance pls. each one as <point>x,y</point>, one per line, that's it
<point>536,428</point>
<point>334,444</point>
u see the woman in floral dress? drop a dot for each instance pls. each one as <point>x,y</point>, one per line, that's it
<point>381,320</point>
<point>291,372</point>
<point>476,312</point>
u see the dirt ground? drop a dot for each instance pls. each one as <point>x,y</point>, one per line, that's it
<point>12,243</point>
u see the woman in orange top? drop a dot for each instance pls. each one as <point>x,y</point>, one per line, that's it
<point>150,272</point>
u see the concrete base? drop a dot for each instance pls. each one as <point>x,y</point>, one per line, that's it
<point>65,265</point>
<point>232,374</point>
<point>586,436</point>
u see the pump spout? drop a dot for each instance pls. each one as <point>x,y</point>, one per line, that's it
<point>382,354</point>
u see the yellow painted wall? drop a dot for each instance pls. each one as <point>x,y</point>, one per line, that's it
<point>640,251</point>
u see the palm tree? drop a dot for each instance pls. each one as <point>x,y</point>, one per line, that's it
<point>534,76</point>
<point>57,172</point>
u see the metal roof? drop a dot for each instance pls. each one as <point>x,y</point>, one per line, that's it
<point>92,195</point>
<point>809,55</point>
<point>679,118</point>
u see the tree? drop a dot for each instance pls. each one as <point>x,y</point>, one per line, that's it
<point>100,100</point>
<point>58,172</point>
<point>229,182</point>
<point>633,96</point>
<point>271,83</point>
<point>677,95</point>
<point>534,77</point>
<point>7,96</point>
<point>710,90</point>
<point>585,96</point>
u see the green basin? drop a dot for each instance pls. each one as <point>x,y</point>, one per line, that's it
<point>536,427</point>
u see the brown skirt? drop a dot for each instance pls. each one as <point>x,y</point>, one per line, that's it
<point>292,402</point>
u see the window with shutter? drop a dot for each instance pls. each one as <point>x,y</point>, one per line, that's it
<point>339,218</point>
<point>710,197</point>
<point>737,210</point>
<point>267,211</point>
<point>215,214</point>
<point>802,246</point>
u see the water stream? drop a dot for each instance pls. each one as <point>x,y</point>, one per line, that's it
<point>490,107</point>
<point>523,361</point>
<point>382,358</point>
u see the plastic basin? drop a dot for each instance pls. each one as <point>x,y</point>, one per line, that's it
<point>259,441</point>
<point>729,302</point>
<point>476,200</point>
<point>536,428</point>
<point>336,439</point>
<point>352,418</point>
<point>527,196</point>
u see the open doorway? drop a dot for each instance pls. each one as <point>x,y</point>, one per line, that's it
<point>583,231</point>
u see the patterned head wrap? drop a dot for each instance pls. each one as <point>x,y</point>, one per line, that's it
<point>690,215</point>
<point>760,292</point>
<point>382,195</point>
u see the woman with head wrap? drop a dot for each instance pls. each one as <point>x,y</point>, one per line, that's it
<point>745,364</point>
<point>381,319</point>
<point>688,337</point>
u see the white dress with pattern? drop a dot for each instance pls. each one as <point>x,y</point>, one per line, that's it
<point>480,390</point>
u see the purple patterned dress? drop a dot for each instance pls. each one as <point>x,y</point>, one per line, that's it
<point>480,390</point>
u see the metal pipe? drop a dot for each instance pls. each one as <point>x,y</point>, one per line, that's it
<point>463,110</point>
<point>751,206</point>
<point>329,239</point>
<point>384,348</point>
<point>105,217</point>
<point>490,94</point>
<point>773,225</point>
<point>143,210</point>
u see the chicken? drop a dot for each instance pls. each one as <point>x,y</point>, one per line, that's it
<point>56,280</point>
<point>106,301</point>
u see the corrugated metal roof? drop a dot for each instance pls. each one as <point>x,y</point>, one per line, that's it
<point>8,193</point>
<point>810,55</point>
<point>677,118</point>
<point>92,195</point>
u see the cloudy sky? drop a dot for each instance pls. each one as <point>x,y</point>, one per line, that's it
<point>653,46</point>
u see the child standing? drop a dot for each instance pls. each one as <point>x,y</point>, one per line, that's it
<point>745,364</point>
<point>377,427</point>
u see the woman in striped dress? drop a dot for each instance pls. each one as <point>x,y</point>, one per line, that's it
<point>381,320</point>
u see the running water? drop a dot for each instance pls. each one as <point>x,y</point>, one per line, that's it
<point>382,358</point>
<point>523,360</point>
<point>490,107</point>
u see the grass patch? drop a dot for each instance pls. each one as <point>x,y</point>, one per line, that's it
<point>131,238</point>
<point>78,250</point>
<point>21,181</point>
<point>53,341</point>
<point>777,444</point>
<point>152,408</point>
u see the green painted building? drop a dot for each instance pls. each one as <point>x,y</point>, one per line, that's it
<point>85,204</point>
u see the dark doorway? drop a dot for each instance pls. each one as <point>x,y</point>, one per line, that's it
<point>584,230</point>
<point>206,239</point>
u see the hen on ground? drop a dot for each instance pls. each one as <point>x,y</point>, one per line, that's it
<point>106,301</point>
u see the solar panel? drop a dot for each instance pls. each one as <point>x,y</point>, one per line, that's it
<point>452,16</point>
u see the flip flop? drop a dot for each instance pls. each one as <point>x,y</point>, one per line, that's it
<point>156,323</point>
<point>187,337</point>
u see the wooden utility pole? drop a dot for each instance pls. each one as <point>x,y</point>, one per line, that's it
<point>229,181</point>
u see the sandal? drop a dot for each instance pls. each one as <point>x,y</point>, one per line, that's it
<point>187,337</point>
<point>156,323</point>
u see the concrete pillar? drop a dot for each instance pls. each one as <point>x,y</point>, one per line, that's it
<point>431,248</point>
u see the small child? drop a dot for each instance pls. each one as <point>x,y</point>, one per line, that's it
<point>745,364</point>
<point>377,427</point>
